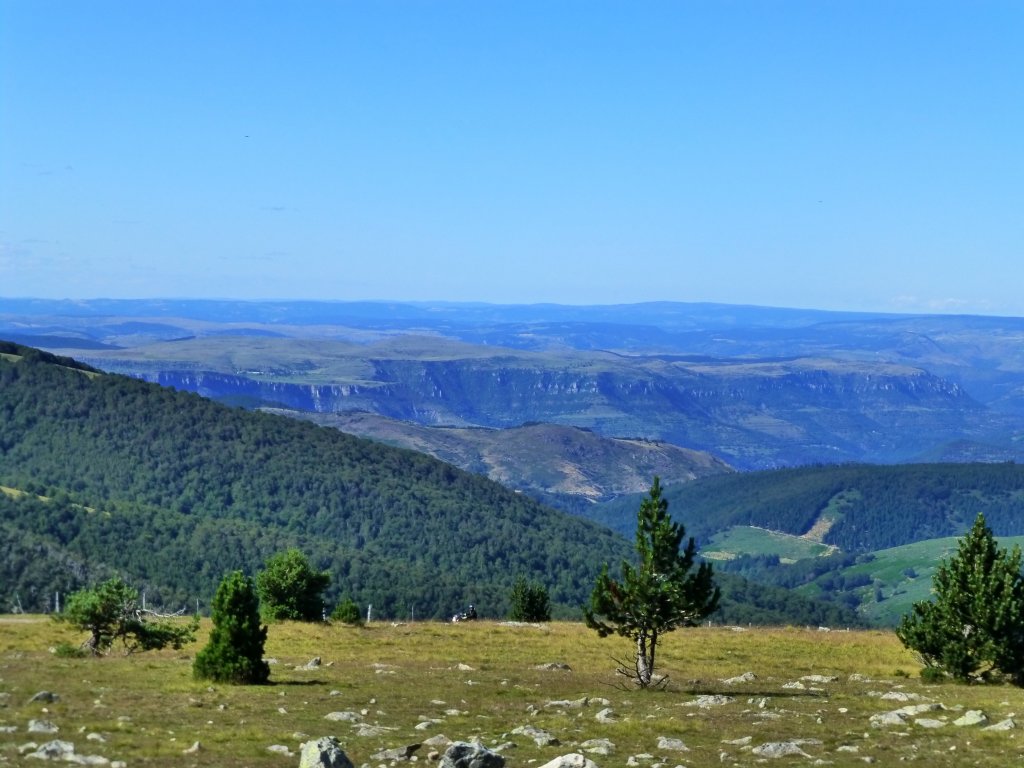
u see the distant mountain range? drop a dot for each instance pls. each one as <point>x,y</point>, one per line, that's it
<point>753,387</point>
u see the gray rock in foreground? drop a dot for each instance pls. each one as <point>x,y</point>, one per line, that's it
<point>463,755</point>
<point>325,752</point>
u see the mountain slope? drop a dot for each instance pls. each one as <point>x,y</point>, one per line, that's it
<point>563,466</point>
<point>157,475</point>
<point>101,473</point>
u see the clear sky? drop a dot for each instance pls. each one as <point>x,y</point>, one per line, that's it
<point>840,155</point>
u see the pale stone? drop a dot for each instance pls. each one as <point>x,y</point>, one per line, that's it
<point>971,717</point>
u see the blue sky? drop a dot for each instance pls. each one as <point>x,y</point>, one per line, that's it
<point>840,155</point>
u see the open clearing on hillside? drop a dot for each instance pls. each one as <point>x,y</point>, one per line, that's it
<point>751,540</point>
<point>398,685</point>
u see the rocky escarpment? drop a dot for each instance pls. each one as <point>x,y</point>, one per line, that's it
<point>751,414</point>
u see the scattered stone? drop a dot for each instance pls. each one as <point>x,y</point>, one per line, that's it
<point>883,719</point>
<point>345,717</point>
<point>795,685</point>
<point>193,749</point>
<point>848,748</point>
<point>8,729</point>
<point>574,760</point>
<point>738,742</point>
<point>325,752</point>
<point>42,726</point>
<point>566,704</point>
<point>819,678</point>
<point>1003,725</point>
<point>47,697</point>
<point>900,696</point>
<point>365,730</point>
<point>710,700</point>
<point>857,677</point>
<point>606,715</point>
<point>280,749</point>
<point>929,722</point>
<point>54,750</point>
<point>635,760</point>
<point>313,663</point>
<point>95,737</point>
<point>598,746</point>
<point>464,667</point>
<point>746,677</point>
<point>440,740</point>
<point>673,745</point>
<point>397,753</point>
<point>540,737</point>
<point>971,717</point>
<point>554,666</point>
<point>774,749</point>
<point>426,725</point>
<point>463,755</point>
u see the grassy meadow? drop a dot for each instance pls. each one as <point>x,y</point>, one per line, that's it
<point>482,680</point>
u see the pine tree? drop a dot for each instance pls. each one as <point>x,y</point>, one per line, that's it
<point>234,653</point>
<point>657,595</point>
<point>529,601</point>
<point>974,629</point>
<point>289,588</point>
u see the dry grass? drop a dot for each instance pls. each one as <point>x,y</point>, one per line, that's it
<point>149,710</point>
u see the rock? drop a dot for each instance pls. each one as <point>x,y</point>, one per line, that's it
<point>819,678</point>
<point>742,742</point>
<point>194,749</point>
<point>440,740</point>
<point>929,722</point>
<point>918,709</point>
<point>47,697</point>
<point>325,752</point>
<point>540,737</point>
<point>598,746</point>
<point>639,759</point>
<point>313,663</point>
<point>397,753</point>
<point>463,755</point>
<point>1003,725</point>
<point>465,667</point>
<point>746,677</point>
<point>900,696</point>
<point>426,725</point>
<point>883,719</point>
<point>280,749</point>
<point>554,666</point>
<point>971,717</point>
<point>774,749</point>
<point>672,745</point>
<point>566,704</point>
<point>42,726</point>
<point>606,716</point>
<point>363,730</point>
<point>574,760</point>
<point>345,717</point>
<point>53,750</point>
<point>795,685</point>
<point>710,700</point>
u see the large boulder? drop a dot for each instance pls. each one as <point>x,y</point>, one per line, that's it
<point>464,755</point>
<point>325,752</point>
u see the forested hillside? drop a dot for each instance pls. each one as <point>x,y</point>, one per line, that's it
<point>104,473</point>
<point>863,507</point>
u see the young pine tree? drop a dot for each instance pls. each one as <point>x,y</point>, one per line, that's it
<point>974,629</point>
<point>529,601</point>
<point>657,595</point>
<point>234,653</point>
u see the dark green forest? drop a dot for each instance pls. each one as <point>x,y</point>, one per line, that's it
<point>106,474</point>
<point>875,506</point>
